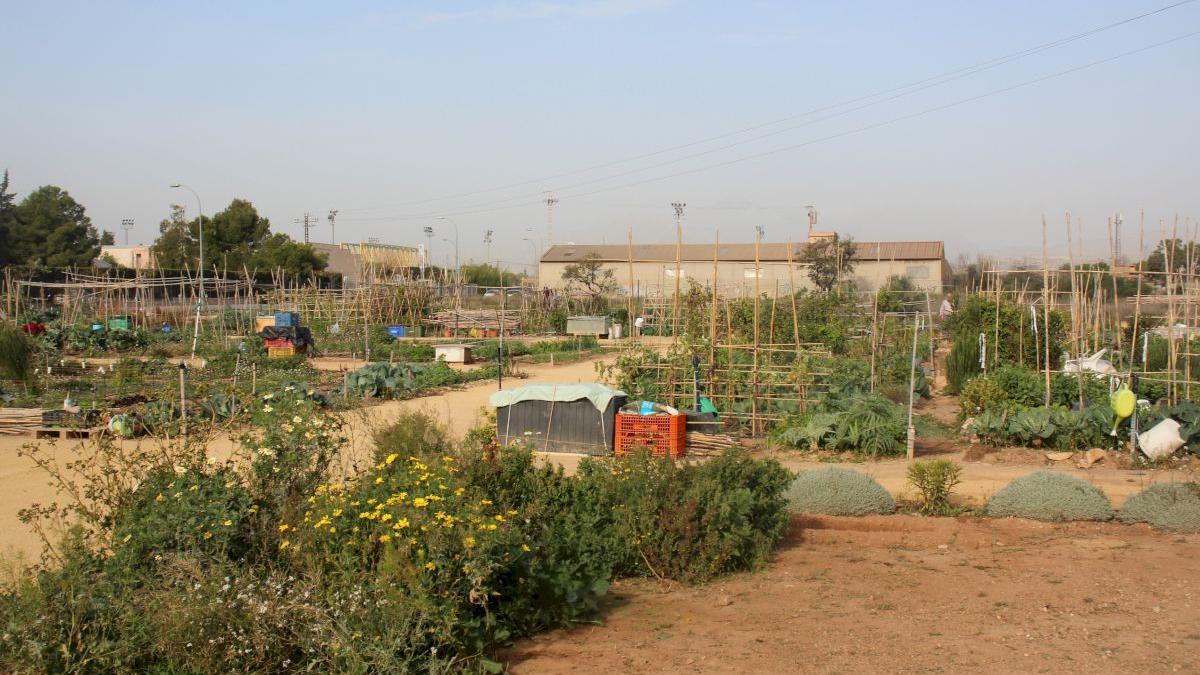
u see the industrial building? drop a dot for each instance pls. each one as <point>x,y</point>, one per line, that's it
<point>652,266</point>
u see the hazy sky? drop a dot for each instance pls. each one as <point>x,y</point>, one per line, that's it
<point>393,112</point>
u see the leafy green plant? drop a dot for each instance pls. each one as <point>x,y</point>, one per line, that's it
<point>864,423</point>
<point>934,480</point>
<point>835,491</point>
<point>1034,426</point>
<point>982,394</point>
<point>1050,496</point>
<point>1165,506</point>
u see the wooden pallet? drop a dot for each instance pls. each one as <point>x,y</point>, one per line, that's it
<point>66,432</point>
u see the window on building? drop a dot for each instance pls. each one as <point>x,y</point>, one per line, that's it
<point>750,272</point>
<point>917,272</point>
<point>671,273</point>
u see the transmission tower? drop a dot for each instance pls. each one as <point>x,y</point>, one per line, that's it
<point>1117,220</point>
<point>550,200</point>
<point>308,221</point>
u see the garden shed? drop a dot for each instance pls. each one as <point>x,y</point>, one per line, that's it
<point>576,418</point>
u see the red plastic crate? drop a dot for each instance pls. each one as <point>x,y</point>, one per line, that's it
<point>279,342</point>
<point>662,434</point>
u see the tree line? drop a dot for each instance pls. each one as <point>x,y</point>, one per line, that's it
<point>48,228</point>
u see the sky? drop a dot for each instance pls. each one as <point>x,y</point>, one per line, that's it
<point>464,115</point>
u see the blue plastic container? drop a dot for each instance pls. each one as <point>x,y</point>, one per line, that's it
<point>396,331</point>
<point>287,319</point>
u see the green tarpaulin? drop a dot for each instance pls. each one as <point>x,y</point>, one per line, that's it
<point>598,394</point>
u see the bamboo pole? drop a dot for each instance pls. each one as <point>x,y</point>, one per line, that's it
<point>1046,310</point>
<point>1074,311</point>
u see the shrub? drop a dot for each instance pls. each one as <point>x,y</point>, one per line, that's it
<point>1050,496</point>
<point>835,491</point>
<point>962,363</point>
<point>16,353</point>
<point>1165,506</point>
<point>982,394</point>
<point>934,480</point>
<point>415,433</point>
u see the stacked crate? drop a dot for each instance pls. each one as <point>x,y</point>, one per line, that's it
<point>664,435</point>
<point>281,347</point>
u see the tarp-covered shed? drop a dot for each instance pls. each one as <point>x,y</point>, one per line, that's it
<point>575,418</point>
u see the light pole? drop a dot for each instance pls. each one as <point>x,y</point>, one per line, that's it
<point>457,269</point>
<point>127,225</point>
<point>332,235</point>
<point>487,242</point>
<point>679,207</point>
<point>200,299</point>
<point>428,246</point>
<point>537,272</point>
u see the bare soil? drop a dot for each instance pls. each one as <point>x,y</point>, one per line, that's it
<point>910,595</point>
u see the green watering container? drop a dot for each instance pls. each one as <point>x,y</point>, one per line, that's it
<point>120,323</point>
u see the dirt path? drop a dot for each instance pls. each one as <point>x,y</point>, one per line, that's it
<point>22,484</point>
<point>904,594</point>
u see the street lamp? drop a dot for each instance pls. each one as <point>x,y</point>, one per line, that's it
<point>537,272</point>
<point>428,248</point>
<point>457,270</point>
<point>200,299</point>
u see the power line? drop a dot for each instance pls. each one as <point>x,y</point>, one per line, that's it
<point>822,139</point>
<point>895,92</point>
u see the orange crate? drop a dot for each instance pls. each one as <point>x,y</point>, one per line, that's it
<point>662,434</point>
<point>283,352</point>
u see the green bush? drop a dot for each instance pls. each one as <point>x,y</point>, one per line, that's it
<point>962,363</point>
<point>835,491</point>
<point>1165,506</point>
<point>1050,496</point>
<point>982,394</point>
<point>934,480</point>
<point>427,562</point>
<point>414,433</point>
<point>16,353</point>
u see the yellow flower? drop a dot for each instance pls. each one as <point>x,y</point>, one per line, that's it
<point>385,538</point>
<point>284,527</point>
<point>379,480</point>
<point>430,566</point>
<point>400,524</point>
<point>391,458</point>
<point>525,547</point>
<point>208,535</point>
<point>226,522</point>
<point>127,537</point>
<point>309,435</point>
<point>332,529</point>
<point>485,502</point>
<point>499,518</point>
<point>337,512</point>
<point>160,498</point>
<point>458,492</point>
<point>288,428</point>
<point>385,517</point>
<point>491,526</point>
<point>284,544</point>
<point>420,502</point>
<point>469,542</point>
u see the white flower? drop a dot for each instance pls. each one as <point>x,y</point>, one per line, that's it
<point>268,396</point>
<point>179,470</point>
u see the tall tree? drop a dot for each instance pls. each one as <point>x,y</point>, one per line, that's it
<point>177,245</point>
<point>828,259</point>
<point>234,237</point>
<point>279,251</point>
<point>50,228</point>
<point>6,216</point>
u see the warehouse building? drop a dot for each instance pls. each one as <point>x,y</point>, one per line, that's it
<point>653,266</point>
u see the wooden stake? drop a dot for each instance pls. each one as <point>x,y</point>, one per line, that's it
<point>1046,309</point>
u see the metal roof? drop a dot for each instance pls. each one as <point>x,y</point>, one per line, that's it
<point>768,252</point>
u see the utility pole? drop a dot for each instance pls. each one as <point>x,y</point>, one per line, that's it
<point>679,207</point>
<point>127,225</point>
<point>550,200</point>
<point>1117,259</point>
<point>332,234</point>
